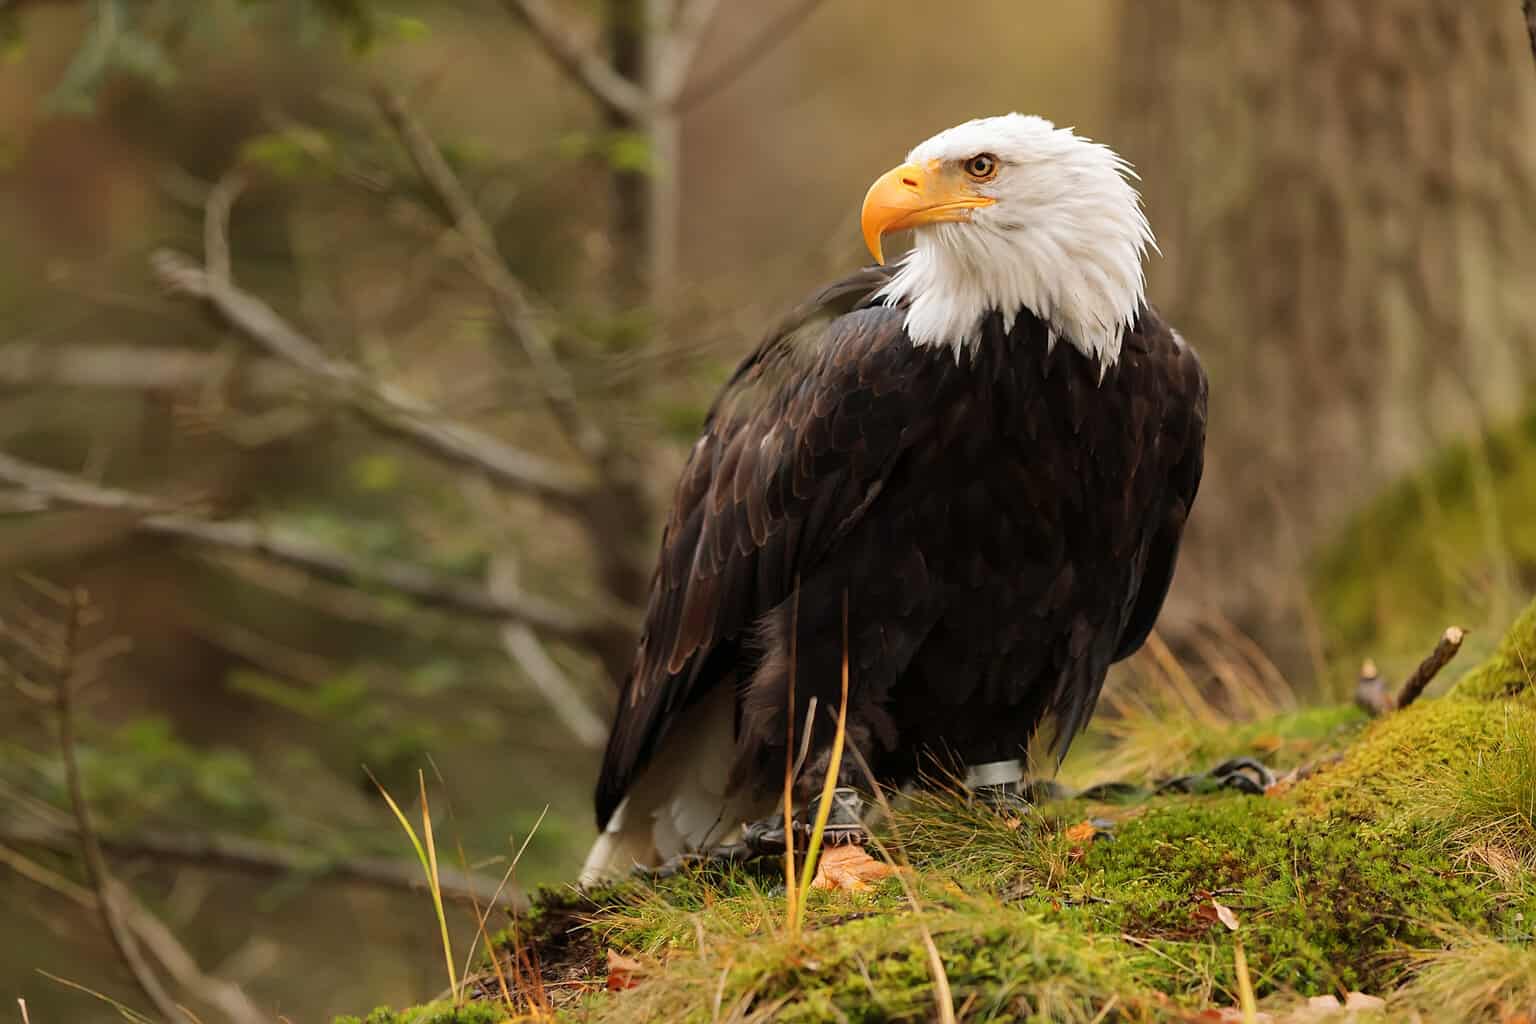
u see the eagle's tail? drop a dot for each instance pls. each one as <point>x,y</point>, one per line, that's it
<point>618,851</point>
<point>682,802</point>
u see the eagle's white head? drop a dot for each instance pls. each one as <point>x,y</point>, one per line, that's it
<point>1012,213</point>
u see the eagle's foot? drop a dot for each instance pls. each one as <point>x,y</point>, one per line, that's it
<point>845,827</point>
<point>1243,774</point>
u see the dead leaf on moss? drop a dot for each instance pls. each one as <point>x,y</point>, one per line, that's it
<point>849,869</point>
<point>1082,832</point>
<point>623,972</point>
<point>1268,743</point>
<point>1080,835</point>
<point>1208,911</point>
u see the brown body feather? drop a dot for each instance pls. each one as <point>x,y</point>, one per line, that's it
<point>1005,526</point>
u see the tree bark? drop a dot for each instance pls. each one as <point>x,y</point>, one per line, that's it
<point>1342,193</point>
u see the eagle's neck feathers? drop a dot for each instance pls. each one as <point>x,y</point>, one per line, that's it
<point>1064,241</point>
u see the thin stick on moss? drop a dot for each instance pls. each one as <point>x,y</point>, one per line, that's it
<point>1245,996</point>
<point>1371,690</point>
<point>828,787</point>
<point>1445,650</point>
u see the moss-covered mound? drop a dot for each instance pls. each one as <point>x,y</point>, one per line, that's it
<point>1400,861</point>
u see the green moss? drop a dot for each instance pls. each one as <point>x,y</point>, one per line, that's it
<point>1320,901</point>
<point>1508,671</point>
<point>858,965</point>
<point>1381,769</point>
<point>1396,854</point>
<point>432,1013</point>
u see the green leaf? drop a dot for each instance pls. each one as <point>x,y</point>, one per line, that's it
<point>630,152</point>
<point>290,153</point>
<point>145,57</point>
<point>376,473</point>
<point>76,91</point>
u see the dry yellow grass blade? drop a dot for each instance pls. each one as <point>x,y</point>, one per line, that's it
<point>828,788</point>
<point>427,856</point>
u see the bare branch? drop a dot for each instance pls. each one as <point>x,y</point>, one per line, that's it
<point>618,507</point>
<point>679,48</point>
<point>1371,690</point>
<point>1445,650</point>
<point>90,848</point>
<point>160,941</point>
<point>523,647</point>
<point>387,407</point>
<point>221,201</point>
<point>512,304</point>
<point>179,964</point>
<point>423,585</point>
<point>587,68</point>
<point>268,860</point>
<point>1530,24</point>
<point>113,367</point>
<point>762,43</point>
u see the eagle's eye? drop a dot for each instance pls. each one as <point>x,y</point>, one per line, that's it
<point>982,167</point>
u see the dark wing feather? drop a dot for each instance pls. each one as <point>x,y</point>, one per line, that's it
<point>804,428</point>
<point>1182,443</point>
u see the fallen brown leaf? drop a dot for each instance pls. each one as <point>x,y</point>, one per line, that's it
<point>1225,916</point>
<point>849,869</point>
<point>1268,743</point>
<point>1082,832</point>
<point>623,972</point>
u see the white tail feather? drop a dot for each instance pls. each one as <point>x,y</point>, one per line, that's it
<point>681,802</point>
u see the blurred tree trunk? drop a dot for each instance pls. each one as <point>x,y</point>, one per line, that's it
<point>1345,196</point>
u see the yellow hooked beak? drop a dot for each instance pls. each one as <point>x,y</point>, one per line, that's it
<point>910,196</point>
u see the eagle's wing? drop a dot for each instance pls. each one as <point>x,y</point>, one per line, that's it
<point>1181,445</point>
<point>804,429</point>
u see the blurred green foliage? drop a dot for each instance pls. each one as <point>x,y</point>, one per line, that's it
<point>1453,544</point>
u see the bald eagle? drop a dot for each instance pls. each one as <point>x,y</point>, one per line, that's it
<point>986,453</point>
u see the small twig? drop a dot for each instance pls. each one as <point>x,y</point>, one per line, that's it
<point>157,938</point>
<point>163,944</point>
<point>96,872</point>
<point>221,201</point>
<point>386,407</point>
<point>512,304</point>
<point>1371,690</point>
<point>422,585</point>
<point>262,859</point>
<point>1445,650</point>
<point>114,367</point>
<point>762,43</point>
<point>587,68</point>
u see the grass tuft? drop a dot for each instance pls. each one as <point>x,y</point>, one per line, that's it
<point>1474,978</point>
<point>426,854</point>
